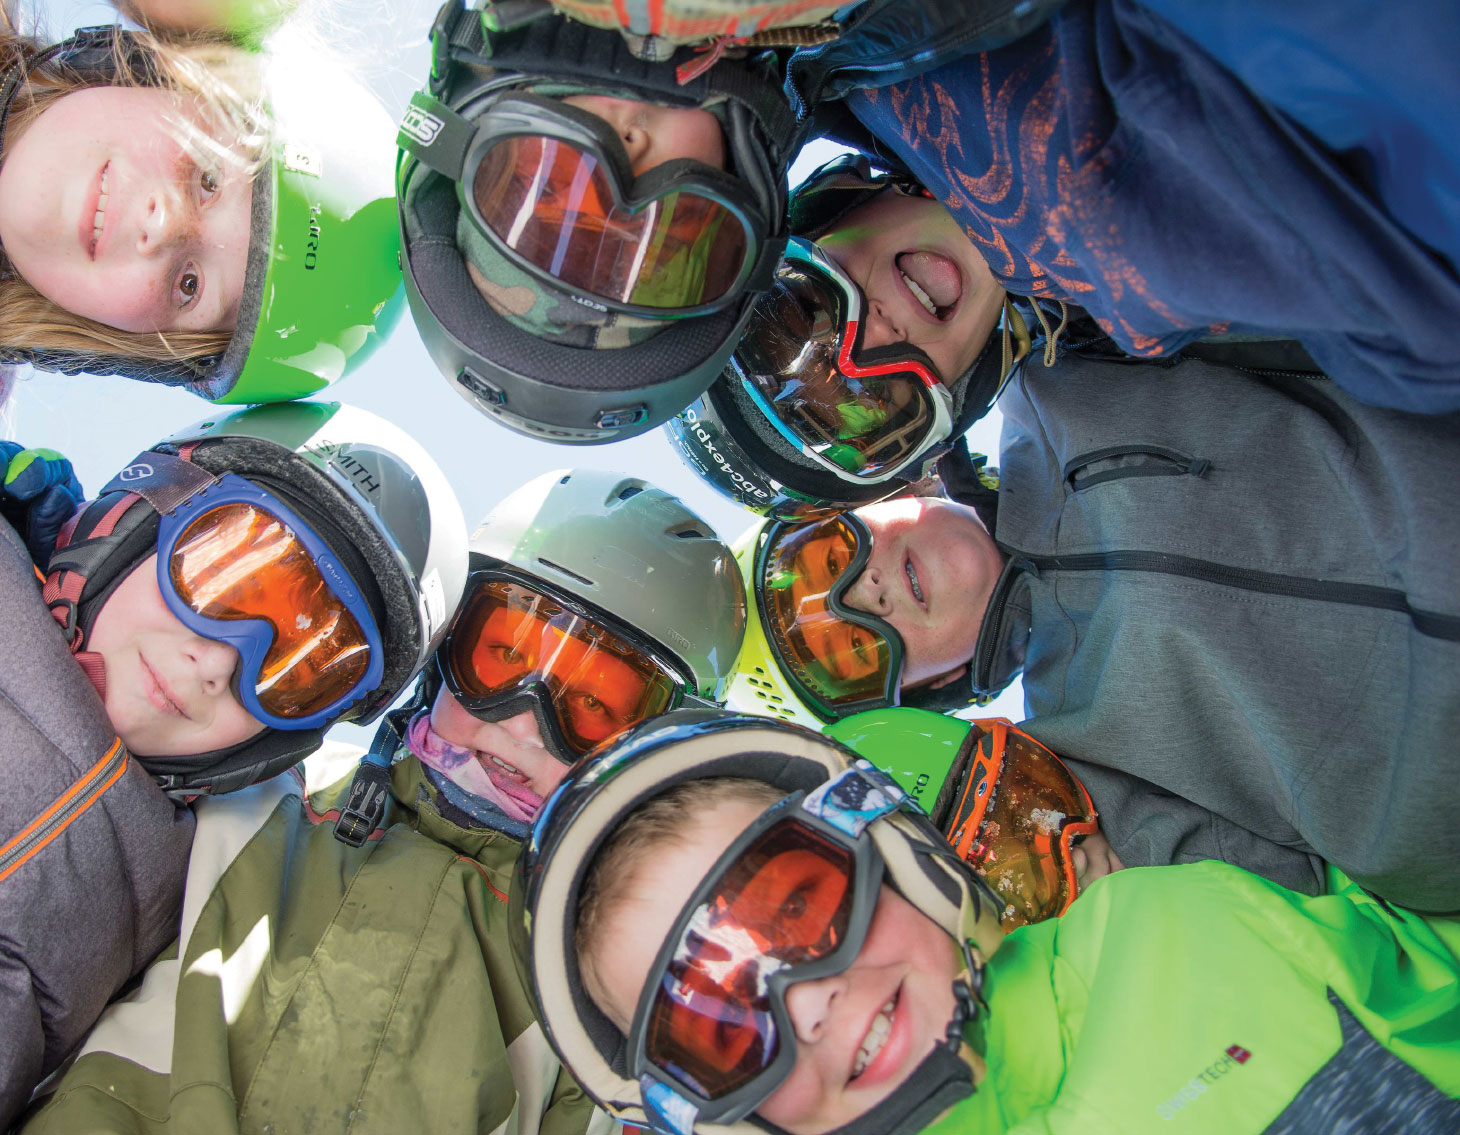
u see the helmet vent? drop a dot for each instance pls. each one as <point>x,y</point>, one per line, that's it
<point>691,532</point>
<point>629,491</point>
<point>565,571</point>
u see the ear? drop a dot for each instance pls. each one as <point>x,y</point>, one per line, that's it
<point>944,679</point>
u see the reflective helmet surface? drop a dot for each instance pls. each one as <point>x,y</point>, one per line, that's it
<point>633,551</point>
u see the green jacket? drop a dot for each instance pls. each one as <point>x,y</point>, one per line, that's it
<point>320,988</point>
<point>1201,998</point>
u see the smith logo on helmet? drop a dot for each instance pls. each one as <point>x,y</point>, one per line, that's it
<point>420,125</point>
<point>338,456</point>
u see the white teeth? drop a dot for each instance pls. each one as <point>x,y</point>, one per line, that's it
<point>912,578</point>
<point>923,297</point>
<point>503,765</point>
<point>98,219</point>
<point>874,1040</point>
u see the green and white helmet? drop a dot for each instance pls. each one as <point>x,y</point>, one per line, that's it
<point>633,552</point>
<point>322,283</point>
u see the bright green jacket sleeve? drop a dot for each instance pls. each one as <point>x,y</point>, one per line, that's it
<point>1201,998</point>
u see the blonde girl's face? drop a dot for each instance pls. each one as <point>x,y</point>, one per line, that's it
<point>107,214</point>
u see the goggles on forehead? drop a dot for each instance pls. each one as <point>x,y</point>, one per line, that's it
<point>517,637</point>
<point>552,188</point>
<point>1017,821</point>
<point>790,900</point>
<point>865,415</point>
<point>839,659</point>
<point>236,565</point>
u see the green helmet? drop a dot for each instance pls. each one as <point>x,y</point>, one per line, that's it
<point>925,752</point>
<point>322,283</point>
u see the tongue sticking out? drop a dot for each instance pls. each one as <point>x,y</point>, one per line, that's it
<point>937,277</point>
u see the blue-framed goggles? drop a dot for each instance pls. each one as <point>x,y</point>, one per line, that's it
<point>237,566</point>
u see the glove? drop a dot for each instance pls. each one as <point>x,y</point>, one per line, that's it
<point>38,494</point>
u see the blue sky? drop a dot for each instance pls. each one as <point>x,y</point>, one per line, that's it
<point>100,423</point>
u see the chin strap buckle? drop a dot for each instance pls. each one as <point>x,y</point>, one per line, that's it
<point>370,790</point>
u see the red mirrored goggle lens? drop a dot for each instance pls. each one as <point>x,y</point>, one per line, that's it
<point>792,354</point>
<point>510,636</point>
<point>237,561</point>
<point>554,206</point>
<point>1019,834</point>
<point>839,660</point>
<point>787,900</point>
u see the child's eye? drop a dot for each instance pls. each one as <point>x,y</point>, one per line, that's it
<point>189,285</point>
<point>209,182</point>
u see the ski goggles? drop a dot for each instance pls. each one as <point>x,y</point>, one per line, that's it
<point>552,188</point>
<point>864,415</point>
<point>790,900</point>
<point>517,637</point>
<point>1017,821</point>
<point>839,659</point>
<point>236,565</point>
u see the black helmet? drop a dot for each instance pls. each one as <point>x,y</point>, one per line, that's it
<point>541,383</point>
<point>730,442</point>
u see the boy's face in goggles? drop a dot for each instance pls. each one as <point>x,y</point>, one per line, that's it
<point>519,645</point>
<point>861,604</point>
<point>925,283</point>
<point>856,1033</point>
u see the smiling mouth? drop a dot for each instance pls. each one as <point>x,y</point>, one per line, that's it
<point>508,770</point>
<point>877,1034</point>
<point>98,220</point>
<point>912,580</point>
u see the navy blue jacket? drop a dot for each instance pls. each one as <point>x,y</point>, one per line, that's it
<point>1106,160</point>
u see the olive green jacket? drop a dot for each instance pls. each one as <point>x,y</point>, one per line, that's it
<point>322,988</point>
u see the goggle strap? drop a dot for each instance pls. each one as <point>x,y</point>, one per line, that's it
<point>855,798</point>
<point>162,480</point>
<point>435,135</point>
<point>668,1112</point>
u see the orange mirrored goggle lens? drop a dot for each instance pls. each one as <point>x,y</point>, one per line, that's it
<point>840,660</point>
<point>554,206</point>
<point>1023,842</point>
<point>785,902</point>
<point>236,562</point>
<point>510,636</point>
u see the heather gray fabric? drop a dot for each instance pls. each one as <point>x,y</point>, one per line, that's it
<point>91,907</point>
<point>1239,722</point>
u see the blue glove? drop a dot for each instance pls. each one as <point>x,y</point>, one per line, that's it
<point>38,495</point>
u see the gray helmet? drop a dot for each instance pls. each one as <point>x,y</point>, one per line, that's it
<point>635,553</point>
<point>371,493</point>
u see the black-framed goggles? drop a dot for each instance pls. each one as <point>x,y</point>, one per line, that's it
<point>865,415</point>
<point>839,659</point>
<point>591,680</point>
<point>552,189</point>
<point>789,900</point>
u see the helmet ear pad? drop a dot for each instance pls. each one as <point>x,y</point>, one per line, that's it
<point>359,544</point>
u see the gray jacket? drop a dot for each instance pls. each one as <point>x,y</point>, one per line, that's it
<point>92,854</point>
<point>1238,597</point>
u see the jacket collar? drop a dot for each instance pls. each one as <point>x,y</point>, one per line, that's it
<point>1003,636</point>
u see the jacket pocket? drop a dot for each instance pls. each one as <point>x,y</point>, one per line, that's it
<point>1116,462</point>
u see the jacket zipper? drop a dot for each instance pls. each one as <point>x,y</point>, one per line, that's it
<point>1429,623</point>
<point>92,785</point>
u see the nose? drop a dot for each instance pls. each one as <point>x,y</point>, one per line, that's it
<point>164,223</point>
<point>878,327</point>
<point>869,592</point>
<point>213,662</point>
<point>810,1005</point>
<point>523,729</point>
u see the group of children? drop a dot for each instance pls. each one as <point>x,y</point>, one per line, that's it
<point>565,885</point>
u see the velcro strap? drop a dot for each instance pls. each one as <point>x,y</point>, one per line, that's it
<point>162,480</point>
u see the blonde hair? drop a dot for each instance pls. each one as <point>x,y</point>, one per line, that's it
<point>656,825</point>
<point>223,82</point>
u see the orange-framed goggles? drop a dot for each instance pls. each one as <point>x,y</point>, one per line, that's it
<point>1017,821</point>
<point>517,639</point>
